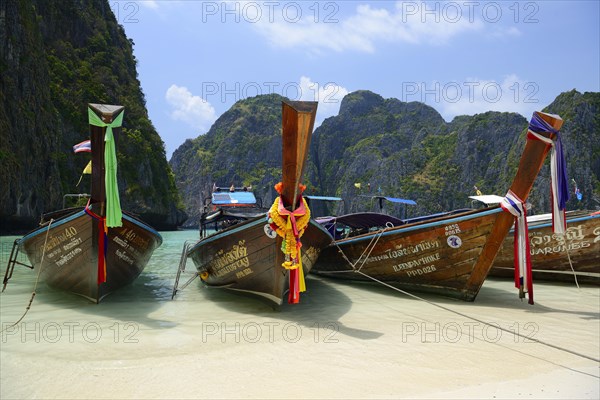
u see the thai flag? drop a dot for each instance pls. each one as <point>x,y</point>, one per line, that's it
<point>83,147</point>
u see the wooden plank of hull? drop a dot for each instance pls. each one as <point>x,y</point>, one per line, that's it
<point>70,263</point>
<point>244,258</point>
<point>549,251</point>
<point>420,256</point>
<point>129,250</point>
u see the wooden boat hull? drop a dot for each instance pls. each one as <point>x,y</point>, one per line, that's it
<point>244,258</point>
<point>441,255</point>
<point>548,251</point>
<point>71,259</point>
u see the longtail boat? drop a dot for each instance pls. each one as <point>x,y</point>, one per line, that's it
<point>94,250</point>
<point>229,206</point>
<point>450,254</point>
<point>568,257</point>
<point>247,256</point>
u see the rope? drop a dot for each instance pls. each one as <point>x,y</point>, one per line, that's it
<point>37,279</point>
<point>570,262</point>
<point>376,236</point>
<point>468,316</point>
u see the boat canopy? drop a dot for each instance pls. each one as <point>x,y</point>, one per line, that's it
<point>233,198</point>
<point>488,199</point>
<point>323,198</point>
<point>391,199</point>
<point>398,200</point>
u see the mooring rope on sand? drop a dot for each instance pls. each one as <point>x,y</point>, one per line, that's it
<point>358,271</point>
<point>570,262</point>
<point>37,279</point>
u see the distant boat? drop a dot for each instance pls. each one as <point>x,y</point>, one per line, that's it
<point>553,255</point>
<point>246,256</point>
<point>229,206</point>
<point>94,250</point>
<point>448,254</point>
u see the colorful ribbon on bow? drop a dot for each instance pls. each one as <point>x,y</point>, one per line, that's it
<point>559,188</point>
<point>523,274</point>
<point>290,225</point>
<point>114,215</point>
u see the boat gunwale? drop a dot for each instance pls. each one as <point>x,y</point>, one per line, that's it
<point>77,214</point>
<point>548,224</point>
<point>241,226</point>
<point>423,225</point>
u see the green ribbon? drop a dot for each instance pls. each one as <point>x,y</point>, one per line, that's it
<point>114,214</point>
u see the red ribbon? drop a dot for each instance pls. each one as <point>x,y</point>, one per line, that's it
<point>102,243</point>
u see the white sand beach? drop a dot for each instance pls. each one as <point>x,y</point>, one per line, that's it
<point>344,340</point>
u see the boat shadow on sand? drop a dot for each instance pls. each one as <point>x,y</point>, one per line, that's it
<point>490,297</point>
<point>322,305</point>
<point>136,302</point>
<point>132,303</point>
<point>506,297</point>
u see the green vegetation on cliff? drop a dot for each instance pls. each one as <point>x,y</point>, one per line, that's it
<point>56,58</point>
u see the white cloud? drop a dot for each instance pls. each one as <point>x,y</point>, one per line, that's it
<point>476,95</point>
<point>366,28</point>
<point>329,95</point>
<point>193,110</point>
<point>153,4</point>
<point>501,32</point>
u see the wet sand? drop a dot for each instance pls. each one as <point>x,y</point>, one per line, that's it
<point>344,340</point>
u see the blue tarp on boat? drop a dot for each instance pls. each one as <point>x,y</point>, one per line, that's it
<point>233,198</point>
<point>397,200</point>
<point>323,198</point>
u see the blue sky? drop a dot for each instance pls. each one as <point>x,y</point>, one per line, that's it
<point>197,58</point>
